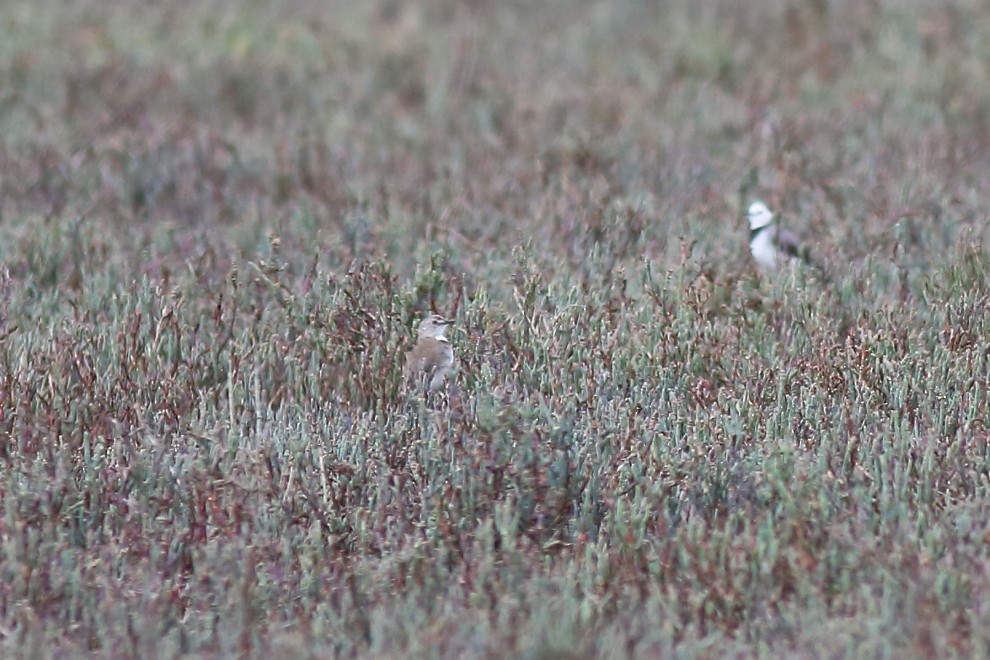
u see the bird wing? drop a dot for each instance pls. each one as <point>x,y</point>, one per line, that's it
<point>788,243</point>
<point>428,357</point>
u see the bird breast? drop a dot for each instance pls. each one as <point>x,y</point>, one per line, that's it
<point>763,248</point>
<point>429,354</point>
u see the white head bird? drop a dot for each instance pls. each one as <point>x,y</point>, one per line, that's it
<point>772,246</point>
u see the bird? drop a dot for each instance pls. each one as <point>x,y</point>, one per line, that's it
<point>772,246</point>
<point>432,358</point>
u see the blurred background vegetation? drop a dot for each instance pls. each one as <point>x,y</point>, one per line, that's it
<point>220,220</point>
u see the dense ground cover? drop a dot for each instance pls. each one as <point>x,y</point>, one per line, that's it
<point>220,220</point>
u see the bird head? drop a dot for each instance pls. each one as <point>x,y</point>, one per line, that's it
<point>433,326</point>
<point>758,215</point>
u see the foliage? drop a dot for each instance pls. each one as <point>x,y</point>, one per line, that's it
<point>219,223</point>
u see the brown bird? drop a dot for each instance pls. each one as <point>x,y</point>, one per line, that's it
<point>432,358</point>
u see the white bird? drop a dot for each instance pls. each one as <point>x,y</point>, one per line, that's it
<point>432,358</point>
<point>772,246</point>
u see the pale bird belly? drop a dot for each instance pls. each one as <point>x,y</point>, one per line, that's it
<point>443,368</point>
<point>447,359</point>
<point>764,251</point>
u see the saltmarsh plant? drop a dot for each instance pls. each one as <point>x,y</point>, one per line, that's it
<point>221,225</point>
<point>715,465</point>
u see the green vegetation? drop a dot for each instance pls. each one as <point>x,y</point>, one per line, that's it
<point>220,221</point>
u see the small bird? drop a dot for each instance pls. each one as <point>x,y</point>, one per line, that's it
<point>771,245</point>
<point>432,358</point>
